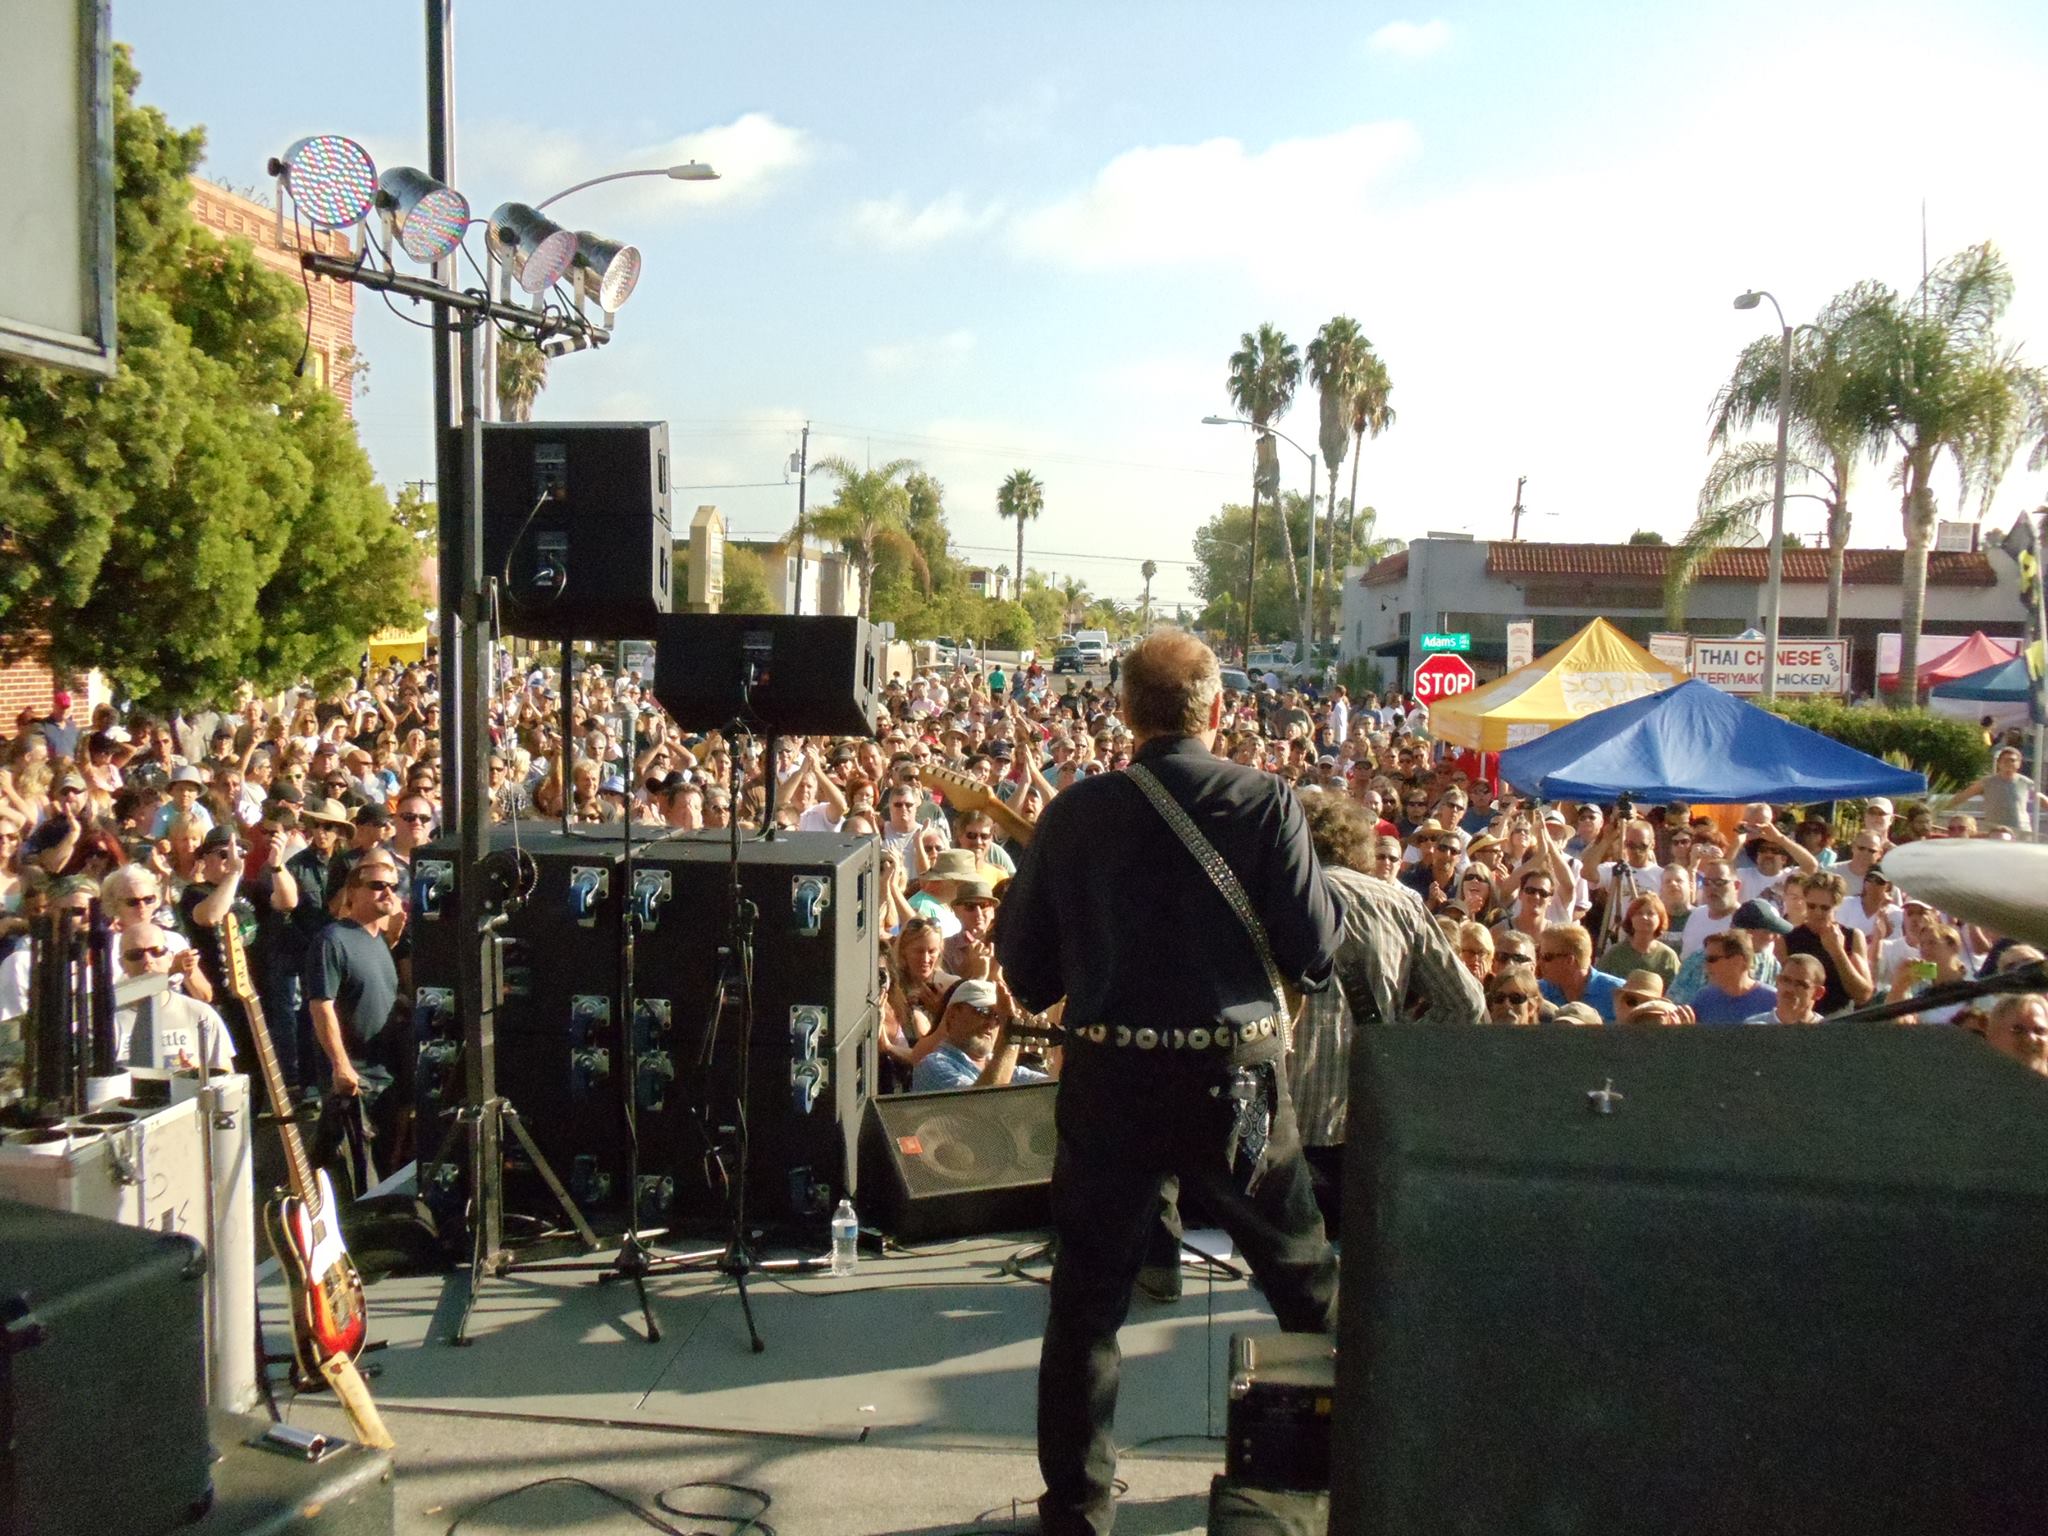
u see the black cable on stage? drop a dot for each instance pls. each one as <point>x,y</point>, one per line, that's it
<point>741,1525</point>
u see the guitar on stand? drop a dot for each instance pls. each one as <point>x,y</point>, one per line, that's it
<point>329,1320</point>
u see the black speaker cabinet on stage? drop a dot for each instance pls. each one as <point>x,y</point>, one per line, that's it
<point>556,1028</point>
<point>811,676</point>
<point>266,1488</point>
<point>960,1162</point>
<point>1794,1281</point>
<point>576,523</point>
<point>103,1422</point>
<point>812,1060</point>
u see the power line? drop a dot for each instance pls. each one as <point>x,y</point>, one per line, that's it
<point>712,426</point>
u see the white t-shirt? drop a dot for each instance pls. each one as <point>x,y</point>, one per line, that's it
<point>1853,914</point>
<point>182,1023</point>
<point>1701,925</point>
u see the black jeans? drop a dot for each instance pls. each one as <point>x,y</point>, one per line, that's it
<point>1127,1119</point>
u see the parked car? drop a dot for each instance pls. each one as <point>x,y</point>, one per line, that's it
<point>1236,680</point>
<point>1066,659</point>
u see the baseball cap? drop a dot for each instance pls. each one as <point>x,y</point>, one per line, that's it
<point>1878,803</point>
<point>373,815</point>
<point>614,784</point>
<point>70,781</point>
<point>975,994</point>
<point>1760,917</point>
<point>219,837</point>
<point>185,773</point>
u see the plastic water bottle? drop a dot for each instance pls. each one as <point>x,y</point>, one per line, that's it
<point>845,1239</point>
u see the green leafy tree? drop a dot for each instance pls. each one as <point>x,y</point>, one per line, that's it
<point>1834,424</point>
<point>1148,570</point>
<point>1021,497</point>
<point>1336,359</point>
<point>1951,388</point>
<point>522,375</point>
<point>1011,627</point>
<point>1265,370</point>
<point>419,517</point>
<point>872,511</point>
<point>1646,536</point>
<point>1047,606</point>
<point>1371,414</point>
<point>746,582</point>
<point>207,516</point>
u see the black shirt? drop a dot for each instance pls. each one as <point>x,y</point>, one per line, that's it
<point>1111,911</point>
<point>352,968</point>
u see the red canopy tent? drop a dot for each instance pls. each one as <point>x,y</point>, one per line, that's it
<point>1973,655</point>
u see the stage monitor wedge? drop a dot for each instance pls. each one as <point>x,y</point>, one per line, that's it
<point>577,527</point>
<point>783,675</point>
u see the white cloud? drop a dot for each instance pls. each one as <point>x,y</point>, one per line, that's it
<point>892,224</point>
<point>1211,203</point>
<point>1411,39</point>
<point>754,155</point>
<point>921,354</point>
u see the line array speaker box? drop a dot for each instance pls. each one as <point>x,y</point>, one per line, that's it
<point>813,1063</point>
<point>811,676</point>
<point>962,1161</point>
<point>576,522</point>
<point>1795,1281</point>
<point>103,1423</point>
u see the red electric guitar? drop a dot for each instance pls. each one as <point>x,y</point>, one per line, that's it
<point>328,1320</point>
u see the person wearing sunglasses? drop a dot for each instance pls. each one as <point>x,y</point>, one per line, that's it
<point>188,1030</point>
<point>351,983</point>
<point>1512,998</point>
<point>259,907</point>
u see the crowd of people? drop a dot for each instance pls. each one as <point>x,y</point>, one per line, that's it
<point>299,815</point>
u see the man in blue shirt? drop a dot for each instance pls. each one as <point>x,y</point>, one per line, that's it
<point>1564,968</point>
<point>979,1052</point>
<point>1730,996</point>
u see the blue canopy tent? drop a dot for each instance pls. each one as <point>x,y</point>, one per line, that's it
<point>1999,690</point>
<point>1696,743</point>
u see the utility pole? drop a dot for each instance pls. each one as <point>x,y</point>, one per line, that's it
<point>803,480</point>
<point>1515,532</point>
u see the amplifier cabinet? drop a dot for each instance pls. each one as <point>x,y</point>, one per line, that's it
<point>140,1165</point>
<point>263,1489</point>
<point>103,1422</point>
<point>812,1054</point>
<point>961,1161</point>
<point>1792,1281</point>
<point>1282,1389</point>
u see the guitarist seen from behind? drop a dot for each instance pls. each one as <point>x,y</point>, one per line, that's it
<point>352,992</point>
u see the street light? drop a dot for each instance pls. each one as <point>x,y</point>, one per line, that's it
<point>694,170</point>
<point>1775,587</point>
<point>1308,607</point>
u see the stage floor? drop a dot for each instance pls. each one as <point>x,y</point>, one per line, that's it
<point>908,1389</point>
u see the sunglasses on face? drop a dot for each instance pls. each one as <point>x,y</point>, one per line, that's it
<point>145,954</point>
<point>377,885</point>
<point>1537,891</point>
<point>1516,999</point>
<point>140,901</point>
<point>415,817</point>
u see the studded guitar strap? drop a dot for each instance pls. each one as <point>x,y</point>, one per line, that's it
<point>1220,874</point>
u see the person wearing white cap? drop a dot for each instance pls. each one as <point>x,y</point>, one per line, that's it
<point>978,1051</point>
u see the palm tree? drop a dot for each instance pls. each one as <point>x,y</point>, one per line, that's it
<point>1834,422</point>
<point>1021,496</point>
<point>1264,372</point>
<point>1148,570</point>
<point>522,375</point>
<point>1075,593</point>
<point>1949,387</point>
<point>1370,416</point>
<point>871,510</point>
<point>1334,359</point>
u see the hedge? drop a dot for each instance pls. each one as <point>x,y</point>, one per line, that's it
<point>1950,752</point>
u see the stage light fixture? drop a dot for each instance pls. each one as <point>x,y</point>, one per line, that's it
<point>332,180</point>
<point>532,247</point>
<point>606,270</point>
<point>428,218</point>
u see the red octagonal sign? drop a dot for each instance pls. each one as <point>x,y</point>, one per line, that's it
<point>1442,675</point>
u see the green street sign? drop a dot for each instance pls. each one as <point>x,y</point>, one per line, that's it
<point>1450,642</point>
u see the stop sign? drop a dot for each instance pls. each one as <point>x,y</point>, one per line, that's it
<point>1442,675</point>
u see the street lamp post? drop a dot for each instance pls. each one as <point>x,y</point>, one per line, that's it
<point>690,170</point>
<point>1308,606</point>
<point>1775,587</point>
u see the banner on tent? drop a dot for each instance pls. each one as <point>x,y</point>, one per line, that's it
<point>1804,666</point>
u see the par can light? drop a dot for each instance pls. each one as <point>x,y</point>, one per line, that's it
<point>606,269</point>
<point>430,218</point>
<point>332,180</point>
<point>534,248</point>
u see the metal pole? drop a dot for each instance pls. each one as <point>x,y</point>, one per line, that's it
<point>2041,634</point>
<point>447,455</point>
<point>1775,590</point>
<point>803,480</point>
<point>1308,609</point>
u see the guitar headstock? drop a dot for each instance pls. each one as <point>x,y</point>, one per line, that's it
<point>234,960</point>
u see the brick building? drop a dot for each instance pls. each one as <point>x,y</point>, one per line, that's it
<point>330,360</point>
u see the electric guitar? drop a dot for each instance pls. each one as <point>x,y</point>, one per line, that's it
<point>328,1320</point>
<point>965,793</point>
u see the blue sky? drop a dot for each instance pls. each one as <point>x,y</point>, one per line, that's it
<point>1030,236</point>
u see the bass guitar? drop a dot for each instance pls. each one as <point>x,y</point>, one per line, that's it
<point>328,1318</point>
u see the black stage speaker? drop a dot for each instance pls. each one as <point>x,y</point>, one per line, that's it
<point>558,1053</point>
<point>270,1483</point>
<point>811,676</point>
<point>1795,1281</point>
<point>103,1423</point>
<point>576,524</point>
<point>812,1062</point>
<point>960,1162</point>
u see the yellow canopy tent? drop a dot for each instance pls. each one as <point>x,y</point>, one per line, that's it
<point>1598,667</point>
<point>389,645</point>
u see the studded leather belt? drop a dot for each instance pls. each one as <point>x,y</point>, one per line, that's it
<point>1216,1037</point>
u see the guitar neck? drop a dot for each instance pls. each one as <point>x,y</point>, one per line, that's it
<point>235,962</point>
